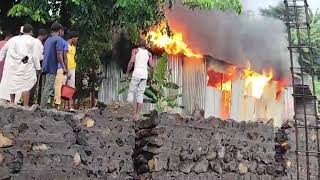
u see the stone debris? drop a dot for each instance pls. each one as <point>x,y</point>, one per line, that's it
<point>192,148</point>
<point>243,168</point>
<point>211,155</point>
<point>106,143</point>
<point>77,159</point>
<point>201,166</point>
<point>49,144</point>
<point>88,122</point>
<point>40,147</point>
<point>4,141</point>
<point>1,158</point>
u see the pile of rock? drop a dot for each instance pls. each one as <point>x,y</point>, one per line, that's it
<point>174,147</point>
<point>37,144</point>
<point>105,143</point>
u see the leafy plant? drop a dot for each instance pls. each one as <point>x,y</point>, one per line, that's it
<point>230,5</point>
<point>98,22</point>
<point>279,12</point>
<point>156,90</point>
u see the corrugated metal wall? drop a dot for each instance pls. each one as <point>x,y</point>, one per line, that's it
<point>175,75</point>
<point>213,102</point>
<point>189,74</point>
<point>108,92</point>
<point>194,84</point>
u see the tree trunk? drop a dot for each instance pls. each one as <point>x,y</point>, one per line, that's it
<point>65,14</point>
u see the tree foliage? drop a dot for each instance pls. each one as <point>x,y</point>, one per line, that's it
<point>99,20</point>
<point>279,12</point>
<point>233,5</point>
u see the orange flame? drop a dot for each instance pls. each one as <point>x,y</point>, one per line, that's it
<point>223,82</point>
<point>174,44</point>
<point>255,82</point>
<point>280,86</point>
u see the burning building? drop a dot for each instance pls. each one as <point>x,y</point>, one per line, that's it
<point>228,78</point>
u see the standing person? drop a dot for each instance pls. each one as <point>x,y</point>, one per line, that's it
<point>42,35</point>
<point>60,77</point>
<point>7,36</point>
<point>71,81</point>
<point>140,57</point>
<point>53,54</point>
<point>21,63</point>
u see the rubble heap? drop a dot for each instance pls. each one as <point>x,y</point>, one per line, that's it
<point>172,147</point>
<point>37,144</point>
<point>105,143</point>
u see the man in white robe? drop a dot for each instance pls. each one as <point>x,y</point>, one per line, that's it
<point>21,62</point>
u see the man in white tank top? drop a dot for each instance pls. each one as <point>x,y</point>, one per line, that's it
<point>140,57</point>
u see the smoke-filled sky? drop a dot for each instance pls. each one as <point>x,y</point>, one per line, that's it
<point>234,39</point>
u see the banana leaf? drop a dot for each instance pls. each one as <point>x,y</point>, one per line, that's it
<point>154,89</point>
<point>151,95</point>
<point>148,101</point>
<point>161,68</point>
<point>171,85</point>
<point>173,97</point>
<point>172,100</point>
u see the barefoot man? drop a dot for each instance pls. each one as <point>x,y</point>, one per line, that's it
<point>140,57</point>
<point>21,62</point>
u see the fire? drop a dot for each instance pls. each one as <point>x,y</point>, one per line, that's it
<point>255,82</point>
<point>172,44</point>
<point>223,82</point>
<point>280,86</point>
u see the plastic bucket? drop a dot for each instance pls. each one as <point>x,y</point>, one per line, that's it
<point>67,92</point>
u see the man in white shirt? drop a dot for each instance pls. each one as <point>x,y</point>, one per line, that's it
<point>21,62</point>
<point>140,57</point>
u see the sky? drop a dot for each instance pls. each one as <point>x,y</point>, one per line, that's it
<point>256,4</point>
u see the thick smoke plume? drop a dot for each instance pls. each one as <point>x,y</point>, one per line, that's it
<point>233,38</point>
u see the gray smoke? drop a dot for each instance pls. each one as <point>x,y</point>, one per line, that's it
<point>235,39</point>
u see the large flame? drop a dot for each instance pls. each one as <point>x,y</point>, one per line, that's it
<point>255,82</point>
<point>223,82</point>
<point>172,44</point>
<point>281,84</point>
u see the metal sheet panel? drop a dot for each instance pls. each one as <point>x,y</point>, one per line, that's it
<point>194,84</point>
<point>108,92</point>
<point>213,102</point>
<point>236,95</point>
<point>175,75</point>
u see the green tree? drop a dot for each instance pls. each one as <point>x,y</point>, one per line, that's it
<point>99,20</point>
<point>279,12</point>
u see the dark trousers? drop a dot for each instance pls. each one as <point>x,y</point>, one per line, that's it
<point>48,90</point>
<point>34,92</point>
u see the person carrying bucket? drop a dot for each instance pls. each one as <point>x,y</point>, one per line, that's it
<point>61,78</point>
<point>71,55</point>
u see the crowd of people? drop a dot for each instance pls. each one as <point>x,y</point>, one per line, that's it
<point>38,67</point>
